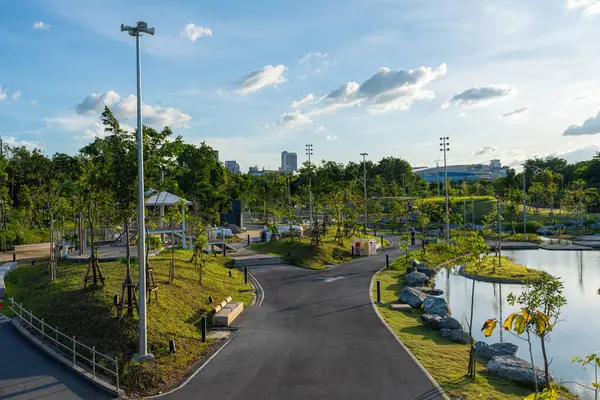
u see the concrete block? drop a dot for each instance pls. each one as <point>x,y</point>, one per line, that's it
<point>401,307</point>
<point>228,299</point>
<point>228,314</point>
<point>217,308</point>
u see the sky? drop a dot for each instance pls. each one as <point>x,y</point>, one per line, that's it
<point>506,79</point>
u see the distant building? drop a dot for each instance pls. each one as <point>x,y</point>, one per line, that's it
<point>289,162</point>
<point>217,154</point>
<point>468,172</point>
<point>232,166</point>
<point>254,171</point>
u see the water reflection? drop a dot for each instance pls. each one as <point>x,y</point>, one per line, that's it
<point>575,335</point>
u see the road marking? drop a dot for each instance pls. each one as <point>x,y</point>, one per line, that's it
<point>331,279</point>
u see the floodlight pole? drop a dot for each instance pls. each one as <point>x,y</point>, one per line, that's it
<point>142,354</point>
<point>365,184</point>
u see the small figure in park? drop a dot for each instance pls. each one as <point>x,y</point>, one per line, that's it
<point>412,236</point>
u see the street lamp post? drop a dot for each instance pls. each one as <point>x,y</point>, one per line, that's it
<point>524,206</point>
<point>309,152</point>
<point>444,143</point>
<point>142,354</point>
<point>365,183</point>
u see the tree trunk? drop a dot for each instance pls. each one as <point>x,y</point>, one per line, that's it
<point>546,373</point>
<point>472,371</point>
<point>537,390</point>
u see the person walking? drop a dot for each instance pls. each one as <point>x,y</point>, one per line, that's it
<point>412,236</point>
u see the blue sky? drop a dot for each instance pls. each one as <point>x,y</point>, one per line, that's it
<point>504,78</point>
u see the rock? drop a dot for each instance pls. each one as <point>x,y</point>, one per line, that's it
<point>436,306</point>
<point>450,323</point>
<point>497,349</point>
<point>416,279</point>
<point>431,321</point>
<point>414,262</point>
<point>514,369</point>
<point>456,335</point>
<point>411,269</point>
<point>426,270</point>
<point>430,291</point>
<point>400,307</point>
<point>412,297</point>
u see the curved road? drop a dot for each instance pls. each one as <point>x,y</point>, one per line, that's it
<point>315,336</point>
<point>27,373</point>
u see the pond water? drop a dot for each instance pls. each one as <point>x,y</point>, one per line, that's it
<point>576,334</point>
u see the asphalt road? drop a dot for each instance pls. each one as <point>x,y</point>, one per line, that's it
<point>316,336</point>
<point>27,373</point>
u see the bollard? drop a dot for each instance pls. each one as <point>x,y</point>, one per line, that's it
<point>210,299</point>
<point>224,249</point>
<point>15,257</point>
<point>378,291</point>
<point>245,274</point>
<point>172,345</point>
<point>116,299</point>
<point>203,327</point>
<point>248,240</point>
<point>387,261</point>
<point>230,274</point>
<point>381,240</point>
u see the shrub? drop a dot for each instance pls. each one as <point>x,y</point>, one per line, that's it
<point>532,226</point>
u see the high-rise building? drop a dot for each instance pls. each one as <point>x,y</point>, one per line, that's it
<point>217,154</point>
<point>289,162</point>
<point>232,166</point>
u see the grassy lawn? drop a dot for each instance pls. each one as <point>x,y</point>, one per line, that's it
<point>508,269</point>
<point>89,315</point>
<point>446,361</point>
<point>303,254</point>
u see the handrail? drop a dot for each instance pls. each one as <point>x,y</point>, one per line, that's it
<point>44,329</point>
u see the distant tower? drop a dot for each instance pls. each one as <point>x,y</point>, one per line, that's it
<point>289,162</point>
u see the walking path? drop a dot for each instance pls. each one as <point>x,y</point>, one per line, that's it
<point>27,373</point>
<point>315,336</point>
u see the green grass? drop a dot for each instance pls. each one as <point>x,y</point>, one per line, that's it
<point>520,237</point>
<point>89,315</point>
<point>507,270</point>
<point>446,361</point>
<point>303,254</point>
<point>434,255</point>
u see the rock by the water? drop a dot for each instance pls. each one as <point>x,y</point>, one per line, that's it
<point>412,297</point>
<point>414,262</point>
<point>514,369</point>
<point>410,269</point>
<point>416,279</point>
<point>436,306</point>
<point>497,349</point>
<point>431,321</point>
<point>424,269</point>
<point>431,291</point>
<point>456,335</point>
<point>450,323</point>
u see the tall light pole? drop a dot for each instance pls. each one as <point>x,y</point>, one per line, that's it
<point>524,206</point>
<point>365,182</point>
<point>444,143</point>
<point>309,152</point>
<point>142,354</point>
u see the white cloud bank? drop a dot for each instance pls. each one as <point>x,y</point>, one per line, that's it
<point>590,126</point>
<point>590,7</point>
<point>41,25</point>
<point>268,75</point>
<point>292,120</point>
<point>486,150</point>
<point>479,95</point>
<point>193,32</point>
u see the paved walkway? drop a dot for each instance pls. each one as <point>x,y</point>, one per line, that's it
<point>315,336</point>
<point>26,373</point>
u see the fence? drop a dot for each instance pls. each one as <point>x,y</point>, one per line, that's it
<point>73,348</point>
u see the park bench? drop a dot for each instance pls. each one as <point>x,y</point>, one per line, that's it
<point>226,312</point>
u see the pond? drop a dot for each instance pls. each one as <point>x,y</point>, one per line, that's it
<point>576,334</point>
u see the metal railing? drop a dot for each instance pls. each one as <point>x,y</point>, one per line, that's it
<point>73,348</point>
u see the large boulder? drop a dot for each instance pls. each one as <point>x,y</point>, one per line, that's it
<point>450,323</point>
<point>430,291</point>
<point>431,321</point>
<point>456,335</point>
<point>436,306</point>
<point>514,369</point>
<point>497,349</point>
<point>424,269</point>
<point>416,279</point>
<point>412,297</point>
<point>414,262</point>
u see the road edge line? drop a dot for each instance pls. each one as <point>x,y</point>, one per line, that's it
<point>260,293</point>
<point>433,381</point>
<point>193,375</point>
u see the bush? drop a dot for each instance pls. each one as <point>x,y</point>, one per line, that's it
<point>519,237</point>
<point>532,226</point>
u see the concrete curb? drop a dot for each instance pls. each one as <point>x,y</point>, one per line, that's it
<point>435,384</point>
<point>189,378</point>
<point>107,387</point>
<point>260,293</point>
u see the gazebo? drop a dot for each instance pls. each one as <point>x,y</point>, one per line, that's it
<point>165,199</point>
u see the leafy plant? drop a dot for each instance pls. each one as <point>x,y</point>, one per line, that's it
<point>591,359</point>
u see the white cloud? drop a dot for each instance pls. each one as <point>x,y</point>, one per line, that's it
<point>480,95</point>
<point>305,100</point>
<point>268,75</point>
<point>314,62</point>
<point>320,129</point>
<point>16,95</point>
<point>33,102</point>
<point>486,150</point>
<point>95,102</point>
<point>519,112</point>
<point>71,122</point>
<point>3,94</point>
<point>310,56</point>
<point>386,90</point>
<point>590,126</point>
<point>331,137</point>
<point>590,7</point>
<point>13,142</point>
<point>41,25</point>
<point>193,32</point>
<point>292,120</point>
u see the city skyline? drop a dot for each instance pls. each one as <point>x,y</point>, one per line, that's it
<point>502,83</point>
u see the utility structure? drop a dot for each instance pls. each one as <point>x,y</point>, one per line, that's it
<point>524,206</point>
<point>309,152</point>
<point>365,184</point>
<point>444,144</point>
<point>142,355</point>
